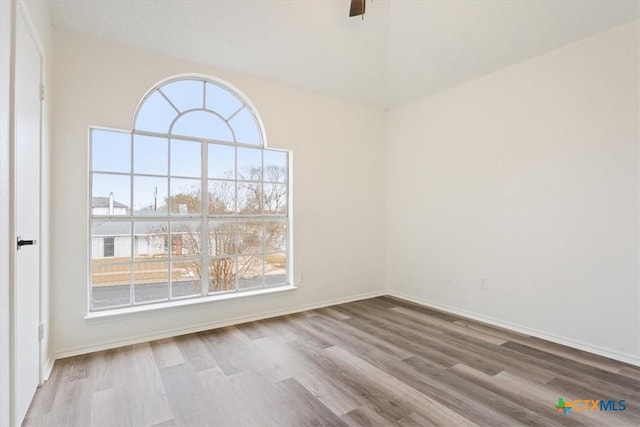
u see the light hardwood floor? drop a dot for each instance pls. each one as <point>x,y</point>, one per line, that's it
<point>379,362</point>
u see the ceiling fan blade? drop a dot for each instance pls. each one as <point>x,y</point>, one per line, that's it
<point>357,7</point>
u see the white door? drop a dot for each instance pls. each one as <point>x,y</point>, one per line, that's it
<point>27,218</point>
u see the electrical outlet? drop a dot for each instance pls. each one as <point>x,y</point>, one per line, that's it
<point>303,277</point>
<point>484,283</point>
<point>449,278</point>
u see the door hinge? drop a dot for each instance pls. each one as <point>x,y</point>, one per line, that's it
<point>41,92</point>
<point>41,332</point>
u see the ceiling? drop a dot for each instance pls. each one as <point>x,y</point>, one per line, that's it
<point>401,51</point>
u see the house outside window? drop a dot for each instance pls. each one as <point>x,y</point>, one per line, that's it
<point>190,203</point>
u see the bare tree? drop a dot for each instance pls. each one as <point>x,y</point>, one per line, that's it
<point>231,240</point>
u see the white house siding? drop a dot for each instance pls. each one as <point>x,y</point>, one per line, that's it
<point>144,245</point>
<point>105,211</point>
<point>122,247</point>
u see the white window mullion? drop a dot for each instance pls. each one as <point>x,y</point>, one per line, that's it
<point>169,233</point>
<point>204,218</point>
<point>262,222</point>
<point>236,261</point>
<point>132,232</point>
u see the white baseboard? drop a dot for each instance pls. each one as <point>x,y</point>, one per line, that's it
<point>46,369</point>
<point>206,326</point>
<point>622,357</point>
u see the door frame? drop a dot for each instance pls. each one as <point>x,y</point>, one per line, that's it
<point>19,11</point>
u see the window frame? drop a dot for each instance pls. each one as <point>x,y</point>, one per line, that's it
<point>203,218</point>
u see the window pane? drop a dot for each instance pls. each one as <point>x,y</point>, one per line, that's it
<point>245,128</point>
<point>250,272</point>
<point>149,195</point>
<point>110,194</point>
<point>155,115</point>
<point>185,196</point>
<point>222,101</point>
<point>115,236</point>
<point>202,124</point>
<point>275,236</point>
<point>222,161</point>
<point>110,151</point>
<point>185,238</point>
<point>223,238</point>
<point>250,237</point>
<point>150,155</point>
<point>185,278</point>
<point>222,274</point>
<point>110,284</point>
<point>222,197</point>
<point>275,269</point>
<point>275,166</point>
<point>249,198</point>
<point>275,199</point>
<point>151,281</point>
<point>151,240</point>
<point>185,94</point>
<point>186,158</point>
<point>249,164</point>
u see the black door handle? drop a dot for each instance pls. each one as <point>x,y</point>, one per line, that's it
<point>22,243</point>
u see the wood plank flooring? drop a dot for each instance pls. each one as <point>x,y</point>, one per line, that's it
<point>377,362</point>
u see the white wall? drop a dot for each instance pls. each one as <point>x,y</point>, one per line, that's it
<point>338,166</point>
<point>528,176</point>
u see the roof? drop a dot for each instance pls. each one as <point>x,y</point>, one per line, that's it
<point>103,202</point>
<point>109,228</point>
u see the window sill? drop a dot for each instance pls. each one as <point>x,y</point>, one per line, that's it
<point>116,313</point>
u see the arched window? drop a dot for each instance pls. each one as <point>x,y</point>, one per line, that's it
<point>190,203</point>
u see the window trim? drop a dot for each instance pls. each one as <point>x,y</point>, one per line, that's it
<point>141,309</point>
<point>202,218</point>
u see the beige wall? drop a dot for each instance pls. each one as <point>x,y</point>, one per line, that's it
<point>338,166</point>
<point>529,177</point>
